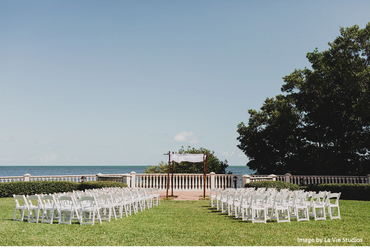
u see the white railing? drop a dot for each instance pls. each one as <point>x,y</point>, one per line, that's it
<point>11,179</point>
<point>29,178</point>
<point>188,181</point>
<point>179,181</point>
<point>192,181</point>
<point>312,179</point>
<point>318,179</point>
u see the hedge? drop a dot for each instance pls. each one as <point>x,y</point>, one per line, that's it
<point>50,187</point>
<point>349,191</point>
<point>102,184</point>
<point>273,184</point>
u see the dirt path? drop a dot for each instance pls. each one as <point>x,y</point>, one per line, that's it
<point>183,195</point>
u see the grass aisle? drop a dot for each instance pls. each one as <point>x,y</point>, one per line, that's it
<point>189,223</point>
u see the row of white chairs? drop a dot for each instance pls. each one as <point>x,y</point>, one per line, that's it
<point>261,204</point>
<point>85,206</point>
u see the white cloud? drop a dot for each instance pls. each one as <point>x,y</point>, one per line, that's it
<point>227,154</point>
<point>241,155</point>
<point>71,159</point>
<point>47,159</point>
<point>186,136</point>
<point>5,139</point>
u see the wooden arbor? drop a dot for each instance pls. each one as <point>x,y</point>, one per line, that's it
<point>194,158</point>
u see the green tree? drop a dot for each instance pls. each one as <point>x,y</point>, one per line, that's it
<point>322,123</point>
<point>161,168</point>
<point>213,165</point>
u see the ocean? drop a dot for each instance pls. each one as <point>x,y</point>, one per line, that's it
<point>91,170</point>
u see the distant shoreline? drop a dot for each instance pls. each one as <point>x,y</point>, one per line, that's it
<point>91,165</point>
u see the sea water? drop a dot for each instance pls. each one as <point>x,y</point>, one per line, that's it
<point>91,170</point>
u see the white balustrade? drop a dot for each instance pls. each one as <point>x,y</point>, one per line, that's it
<point>29,178</point>
<point>195,181</point>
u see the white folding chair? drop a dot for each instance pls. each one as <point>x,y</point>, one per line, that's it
<point>212,197</point>
<point>318,206</point>
<point>331,207</point>
<point>66,209</point>
<point>299,207</point>
<point>21,205</point>
<point>139,199</point>
<point>245,206</point>
<point>117,201</point>
<point>127,202</point>
<point>132,194</point>
<point>230,202</point>
<point>280,208</point>
<point>218,198</point>
<point>34,208</point>
<point>237,204</point>
<point>88,211</point>
<point>142,198</point>
<point>156,198</point>
<point>105,206</point>
<point>49,209</point>
<point>148,197</point>
<point>223,200</point>
<point>259,210</point>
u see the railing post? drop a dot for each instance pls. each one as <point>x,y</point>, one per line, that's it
<point>368,178</point>
<point>273,177</point>
<point>26,177</point>
<point>133,178</point>
<point>287,177</point>
<point>126,178</point>
<point>97,176</point>
<point>213,175</point>
<point>245,179</point>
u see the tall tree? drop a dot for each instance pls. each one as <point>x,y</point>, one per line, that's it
<point>328,130</point>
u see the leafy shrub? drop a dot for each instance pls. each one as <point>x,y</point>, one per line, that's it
<point>101,184</point>
<point>50,187</point>
<point>37,187</point>
<point>349,191</point>
<point>273,184</point>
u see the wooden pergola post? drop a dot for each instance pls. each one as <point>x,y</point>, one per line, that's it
<point>205,163</point>
<point>168,175</point>
<point>173,165</point>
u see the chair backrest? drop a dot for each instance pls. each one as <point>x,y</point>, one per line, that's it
<point>66,202</point>
<point>150,191</point>
<point>302,198</point>
<point>258,200</point>
<point>320,197</point>
<point>230,195</point>
<point>281,199</point>
<point>87,201</point>
<point>103,199</point>
<point>48,200</point>
<point>270,190</point>
<point>246,198</point>
<point>65,198</point>
<point>224,194</point>
<point>237,197</point>
<point>213,193</point>
<point>155,191</point>
<point>33,200</point>
<point>261,190</point>
<point>218,192</point>
<point>335,196</point>
<point>20,201</point>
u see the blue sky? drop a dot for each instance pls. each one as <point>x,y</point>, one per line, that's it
<point>121,82</point>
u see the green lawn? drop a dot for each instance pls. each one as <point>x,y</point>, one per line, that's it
<point>188,223</point>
